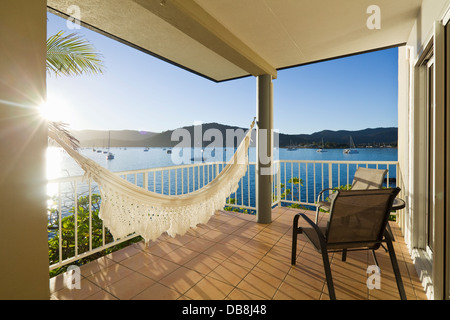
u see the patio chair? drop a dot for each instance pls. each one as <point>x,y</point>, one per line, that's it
<point>357,221</point>
<point>364,179</point>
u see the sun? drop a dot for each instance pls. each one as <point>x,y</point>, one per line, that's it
<point>56,108</point>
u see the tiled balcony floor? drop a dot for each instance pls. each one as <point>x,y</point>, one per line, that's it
<point>233,257</point>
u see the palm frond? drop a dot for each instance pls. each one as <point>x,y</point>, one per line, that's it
<point>71,55</point>
<point>58,129</point>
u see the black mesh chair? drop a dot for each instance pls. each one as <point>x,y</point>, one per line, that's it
<point>364,178</point>
<point>357,221</point>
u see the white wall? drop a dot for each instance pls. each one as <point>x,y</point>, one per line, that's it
<point>412,142</point>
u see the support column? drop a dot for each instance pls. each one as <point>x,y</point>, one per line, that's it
<point>264,157</point>
<point>24,263</point>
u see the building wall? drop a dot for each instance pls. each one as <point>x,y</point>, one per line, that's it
<point>412,141</point>
<point>23,219</point>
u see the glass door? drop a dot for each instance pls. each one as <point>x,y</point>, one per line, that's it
<point>430,96</point>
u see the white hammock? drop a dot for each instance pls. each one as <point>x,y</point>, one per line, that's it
<point>127,209</point>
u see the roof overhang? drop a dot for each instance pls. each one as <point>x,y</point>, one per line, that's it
<point>223,40</point>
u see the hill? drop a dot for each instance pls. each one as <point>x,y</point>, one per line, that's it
<point>119,138</point>
<point>191,135</point>
<point>341,138</point>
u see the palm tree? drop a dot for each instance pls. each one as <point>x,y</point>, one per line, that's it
<point>70,55</point>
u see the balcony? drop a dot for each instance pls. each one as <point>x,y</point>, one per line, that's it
<point>231,257</point>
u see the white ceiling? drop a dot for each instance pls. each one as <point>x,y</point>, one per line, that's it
<point>292,32</point>
<point>281,33</point>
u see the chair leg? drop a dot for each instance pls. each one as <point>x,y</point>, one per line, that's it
<point>295,232</point>
<point>326,265</point>
<point>398,276</point>
<point>375,258</point>
<point>344,255</point>
<point>390,231</point>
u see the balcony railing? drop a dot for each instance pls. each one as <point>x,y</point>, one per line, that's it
<point>75,202</point>
<point>300,181</point>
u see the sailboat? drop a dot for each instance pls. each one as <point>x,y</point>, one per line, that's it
<point>201,158</point>
<point>291,147</point>
<point>109,156</point>
<point>352,148</point>
<point>321,149</point>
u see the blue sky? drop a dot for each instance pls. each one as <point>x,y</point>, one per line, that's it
<point>140,92</point>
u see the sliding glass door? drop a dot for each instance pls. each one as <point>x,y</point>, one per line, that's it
<point>430,101</point>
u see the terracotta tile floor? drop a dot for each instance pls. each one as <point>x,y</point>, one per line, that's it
<point>232,257</point>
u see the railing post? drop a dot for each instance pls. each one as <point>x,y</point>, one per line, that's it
<point>279,184</point>
<point>90,214</point>
<point>330,175</point>
<point>60,251</point>
<point>145,182</point>
<point>76,217</point>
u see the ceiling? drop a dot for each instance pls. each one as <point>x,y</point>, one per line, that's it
<point>223,39</point>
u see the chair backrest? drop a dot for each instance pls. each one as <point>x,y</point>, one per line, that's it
<point>358,218</point>
<point>366,178</point>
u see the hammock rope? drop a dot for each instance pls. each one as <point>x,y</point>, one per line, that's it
<point>129,209</point>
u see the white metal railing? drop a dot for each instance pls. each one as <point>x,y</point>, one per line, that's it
<point>300,181</point>
<point>294,182</point>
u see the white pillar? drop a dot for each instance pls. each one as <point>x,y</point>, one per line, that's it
<point>24,272</point>
<point>264,157</point>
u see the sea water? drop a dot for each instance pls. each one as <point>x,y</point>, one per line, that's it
<point>60,164</point>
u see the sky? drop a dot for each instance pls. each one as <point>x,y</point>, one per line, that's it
<point>140,92</point>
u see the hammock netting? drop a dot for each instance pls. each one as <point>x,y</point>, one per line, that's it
<point>129,209</point>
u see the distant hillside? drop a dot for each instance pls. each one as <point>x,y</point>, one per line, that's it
<point>209,131</point>
<point>130,138</point>
<point>341,138</point>
<point>122,138</point>
<point>331,139</point>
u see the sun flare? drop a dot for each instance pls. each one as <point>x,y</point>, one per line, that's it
<point>56,109</point>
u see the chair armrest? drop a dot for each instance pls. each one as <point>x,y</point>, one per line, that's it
<point>313,225</point>
<point>321,192</point>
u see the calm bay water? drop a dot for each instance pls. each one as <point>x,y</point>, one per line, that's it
<point>61,165</point>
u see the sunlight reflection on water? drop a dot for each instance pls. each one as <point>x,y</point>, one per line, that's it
<point>54,162</point>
